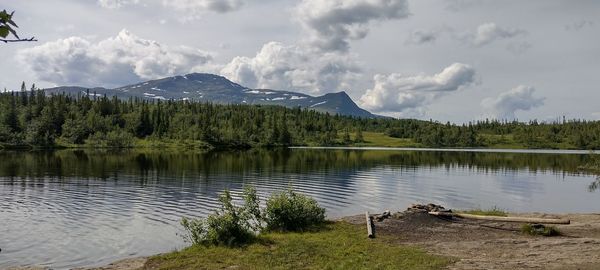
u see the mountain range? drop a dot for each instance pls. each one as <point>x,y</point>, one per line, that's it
<point>203,87</point>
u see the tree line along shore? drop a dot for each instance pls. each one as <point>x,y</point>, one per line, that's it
<point>32,119</point>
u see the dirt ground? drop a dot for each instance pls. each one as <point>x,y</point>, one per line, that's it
<point>497,245</point>
<point>127,264</point>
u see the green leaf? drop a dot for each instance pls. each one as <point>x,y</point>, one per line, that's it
<point>3,31</point>
<point>4,16</point>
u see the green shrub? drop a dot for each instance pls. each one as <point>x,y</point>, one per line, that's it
<point>231,225</point>
<point>8,137</point>
<point>75,131</point>
<point>290,211</point>
<point>119,139</point>
<point>113,139</point>
<point>539,229</point>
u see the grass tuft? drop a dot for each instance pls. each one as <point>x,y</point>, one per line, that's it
<point>494,211</point>
<point>538,229</point>
<point>338,245</point>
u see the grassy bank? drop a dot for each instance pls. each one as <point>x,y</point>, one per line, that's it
<point>375,139</point>
<point>338,246</point>
<point>132,144</point>
<point>494,211</point>
<point>371,139</point>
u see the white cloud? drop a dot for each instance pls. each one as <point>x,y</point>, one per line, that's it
<point>507,103</point>
<point>332,24</point>
<point>279,66</point>
<point>115,61</point>
<point>596,116</point>
<point>490,32</point>
<point>409,93</point>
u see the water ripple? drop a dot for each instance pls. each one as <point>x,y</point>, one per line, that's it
<point>131,208</point>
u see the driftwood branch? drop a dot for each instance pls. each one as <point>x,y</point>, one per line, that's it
<point>505,219</point>
<point>370,232</point>
<point>18,40</point>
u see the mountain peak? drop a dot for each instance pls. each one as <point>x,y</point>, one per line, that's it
<point>206,87</point>
<point>341,94</point>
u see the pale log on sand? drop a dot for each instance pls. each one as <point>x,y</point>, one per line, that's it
<point>369,225</point>
<point>505,219</point>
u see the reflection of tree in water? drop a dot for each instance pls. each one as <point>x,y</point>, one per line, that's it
<point>595,185</point>
<point>100,164</point>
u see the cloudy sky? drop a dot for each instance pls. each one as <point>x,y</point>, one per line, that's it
<point>449,60</point>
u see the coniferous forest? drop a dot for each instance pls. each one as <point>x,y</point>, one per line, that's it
<point>33,119</point>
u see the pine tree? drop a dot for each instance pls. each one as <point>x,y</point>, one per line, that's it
<point>285,138</point>
<point>11,118</point>
<point>359,136</point>
<point>346,139</point>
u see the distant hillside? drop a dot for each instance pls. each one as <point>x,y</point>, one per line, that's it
<point>218,89</point>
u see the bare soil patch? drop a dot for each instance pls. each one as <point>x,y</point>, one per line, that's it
<point>480,244</point>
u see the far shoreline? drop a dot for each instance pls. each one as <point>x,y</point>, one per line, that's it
<point>476,150</point>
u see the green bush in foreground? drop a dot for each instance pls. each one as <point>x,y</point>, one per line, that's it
<point>230,226</point>
<point>538,229</point>
<point>233,225</point>
<point>290,211</point>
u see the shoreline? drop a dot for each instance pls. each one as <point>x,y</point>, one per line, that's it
<point>476,150</point>
<point>159,146</point>
<point>472,244</point>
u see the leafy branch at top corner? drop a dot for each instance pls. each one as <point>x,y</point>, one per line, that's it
<point>7,26</point>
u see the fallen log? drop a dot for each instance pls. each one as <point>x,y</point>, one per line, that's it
<point>505,219</point>
<point>370,233</point>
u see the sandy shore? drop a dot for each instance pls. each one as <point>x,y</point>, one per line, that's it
<point>498,245</point>
<point>127,264</point>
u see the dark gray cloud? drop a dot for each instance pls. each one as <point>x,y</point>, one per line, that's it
<point>578,25</point>
<point>332,24</point>
<point>198,7</point>
<point>116,3</point>
<point>518,47</point>
<point>419,37</point>
<point>460,5</point>
<point>190,8</point>
<point>507,103</point>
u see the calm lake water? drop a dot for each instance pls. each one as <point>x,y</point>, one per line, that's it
<point>86,208</point>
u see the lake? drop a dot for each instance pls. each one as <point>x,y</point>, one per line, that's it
<point>74,208</point>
